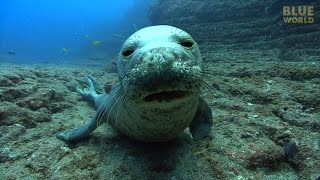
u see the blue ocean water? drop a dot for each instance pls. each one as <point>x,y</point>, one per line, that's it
<point>60,31</point>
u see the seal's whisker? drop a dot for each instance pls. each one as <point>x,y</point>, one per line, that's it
<point>100,113</point>
<point>119,97</point>
<point>115,98</point>
<point>217,78</point>
<point>207,71</point>
<point>136,35</point>
<point>104,109</point>
<point>117,85</point>
<point>119,35</point>
<point>209,74</point>
<point>180,20</point>
<point>220,81</point>
<point>171,23</point>
<point>124,96</point>
<point>199,89</point>
<point>180,33</point>
<point>205,90</point>
<point>117,115</point>
<point>207,87</point>
<point>135,27</point>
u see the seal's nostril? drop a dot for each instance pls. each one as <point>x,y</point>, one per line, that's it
<point>186,43</point>
<point>127,52</point>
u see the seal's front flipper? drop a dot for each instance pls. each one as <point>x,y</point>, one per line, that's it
<point>202,122</point>
<point>95,84</point>
<point>72,135</point>
<point>93,92</point>
<point>88,93</point>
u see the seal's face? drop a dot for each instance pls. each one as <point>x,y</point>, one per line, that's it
<point>160,64</point>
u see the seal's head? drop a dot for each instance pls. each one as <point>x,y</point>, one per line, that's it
<point>160,63</point>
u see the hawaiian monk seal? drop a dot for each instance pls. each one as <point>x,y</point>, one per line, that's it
<point>157,96</point>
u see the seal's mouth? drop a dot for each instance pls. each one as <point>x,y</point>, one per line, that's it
<point>166,96</point>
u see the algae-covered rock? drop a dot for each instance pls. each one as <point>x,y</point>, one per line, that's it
<point>233,30</point>
<point>12,114</point>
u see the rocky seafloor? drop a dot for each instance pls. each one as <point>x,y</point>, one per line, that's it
<point>266,126</point>
<point>263,87</point>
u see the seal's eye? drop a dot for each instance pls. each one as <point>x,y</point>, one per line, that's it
<point>127,52</point>
<point>186,43</point>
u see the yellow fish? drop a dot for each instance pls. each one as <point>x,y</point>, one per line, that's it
<point>65,50</point>
<point>96,43</point>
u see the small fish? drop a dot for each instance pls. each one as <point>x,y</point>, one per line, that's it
<point>96,43</point>
<point>87,36</point>
<point>65,50</point>
<point>97,58</point>
<point>11,52</point>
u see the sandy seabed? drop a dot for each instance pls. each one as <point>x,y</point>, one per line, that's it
<point>266,126</point>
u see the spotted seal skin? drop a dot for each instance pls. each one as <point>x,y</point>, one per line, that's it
<point>157,96</point>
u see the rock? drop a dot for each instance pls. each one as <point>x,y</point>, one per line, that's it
<point>12,114</point>
<point>13,94</point>
<point>12,132</point>
<point>59,107</point>
<point>298,119</point>
<point>9,80</point>
<point>6,155</point>
<point>34,103</point>
<point>270,157</point>
<point>42,158</point>
<point>233,30</point>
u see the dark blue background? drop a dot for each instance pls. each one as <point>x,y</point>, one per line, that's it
<point>38,30</point>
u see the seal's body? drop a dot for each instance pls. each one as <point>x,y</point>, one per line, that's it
<point>157,97</point>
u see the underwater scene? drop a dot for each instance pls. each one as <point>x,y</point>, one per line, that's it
<point>160,89</point>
